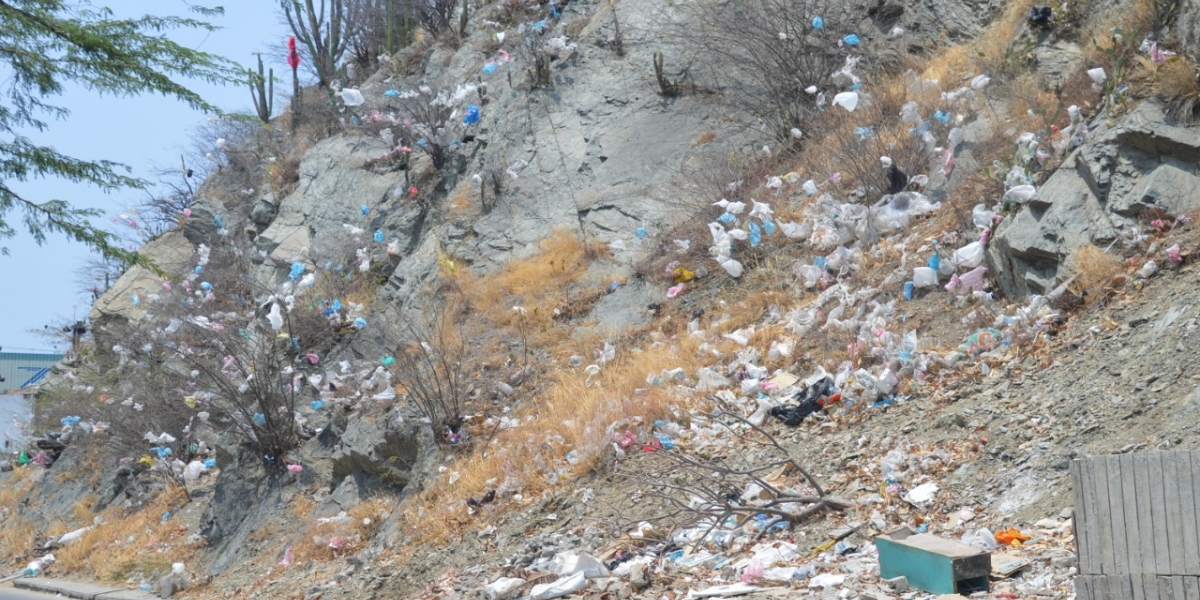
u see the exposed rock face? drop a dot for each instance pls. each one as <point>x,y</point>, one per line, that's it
<point>389,452</point>
<point>172,251</point>
<point>1187,28</point>
<point>334,186</point>
<point>1142,168</point>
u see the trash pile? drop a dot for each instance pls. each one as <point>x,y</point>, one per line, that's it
<point>1018,563</point>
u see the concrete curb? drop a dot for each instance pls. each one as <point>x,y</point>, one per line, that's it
<point>82,591</point>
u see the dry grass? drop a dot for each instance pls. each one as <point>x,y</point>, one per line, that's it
<point>573,414</point>
<point>16,537</point>
<point>323,542</point>
<point>1177,84</point>
<point>128,545</point>
<point>463,198</point>
<point>1093,270</point>
<point>551,280</point>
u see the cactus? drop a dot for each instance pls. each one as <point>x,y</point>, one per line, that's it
<point>666,87</point>
<point>262,91</point>
<point>462,19</point>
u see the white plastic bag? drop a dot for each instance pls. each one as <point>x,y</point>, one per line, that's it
<point>846,100</point>
<point>501,587</point>
<point>924,277</point>
<point>558,588</point>
<point>570,563</point>
<point>809,275</point>
<point>796,231</point>
<point>968,257</point>
<point>193,470</point>
<point>352,97</point>
<point>1020,194</point>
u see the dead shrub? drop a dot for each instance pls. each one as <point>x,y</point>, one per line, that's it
<point>1178,86</point>
<point>1092,271</point>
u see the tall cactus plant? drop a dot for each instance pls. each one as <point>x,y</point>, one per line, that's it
<point>262,91</point>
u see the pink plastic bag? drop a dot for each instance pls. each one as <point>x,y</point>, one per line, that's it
<point>969,281</point>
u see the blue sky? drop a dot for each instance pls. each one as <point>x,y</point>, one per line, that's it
<point>38,284</point>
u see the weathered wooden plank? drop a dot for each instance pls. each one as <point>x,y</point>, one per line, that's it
<point>1155,485</point>
<point>1174,520</point>
<point>1149,585</point>
<point>1087,535</point>
<point>1191,588</point>
<point>1141,507</point>
<point>1083,588</point>
<point>1177,592</point>
<point>1097,470</point>
<point>1118,587</point>
<point>1131,586</point>
<point>1180,472</point>
<point>1190,462</point>
<point>1122,557</point>
<point>1165,590</point>
<point>1128,484</point>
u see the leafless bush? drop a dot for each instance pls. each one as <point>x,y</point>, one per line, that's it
<point>428,121</point>
<point>222,345</point>
<point>440,16</point>
<point>752,477</point>
<point>874,130</point>
<point>431,366</point>
<point>768,52</point>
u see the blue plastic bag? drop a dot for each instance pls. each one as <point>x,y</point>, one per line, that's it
<point>909,287</point>
<point>296,272</point>
<point>818,23</point>
<point>934,262</point>
<point>755,234</point>
<point>317,404</point>
<point>392,93</point>
<point>727,218</point>
<point>259,419</point>
<point>942,117</point>
<point>641,233</point>
<point>769,227</point>
<point>364,209</point>
<point>489,68</point>
<point>360,323</point>
<point>851,40</point>
<point>379,236</point>
<point>206,286</point>
<point>472,115</point>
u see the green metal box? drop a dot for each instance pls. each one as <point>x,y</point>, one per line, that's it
<point>933,564</point>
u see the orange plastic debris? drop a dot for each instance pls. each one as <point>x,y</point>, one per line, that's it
<point>1011,535</point>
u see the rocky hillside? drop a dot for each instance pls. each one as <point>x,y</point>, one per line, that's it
<point>520,314</point>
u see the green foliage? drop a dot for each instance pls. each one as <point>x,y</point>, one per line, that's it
<point>1120,61</point>
<point>45,44</point>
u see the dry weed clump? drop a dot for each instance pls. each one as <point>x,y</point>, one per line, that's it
<point>526,296</point>
<point>573,416</point>
<point>127,545</point>
<point>1176,83</point>
<point>1093,271</point>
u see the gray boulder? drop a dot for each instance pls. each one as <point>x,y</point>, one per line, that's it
<point>1142,167</point>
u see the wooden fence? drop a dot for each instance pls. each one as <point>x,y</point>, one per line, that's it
<point>1136,528</point>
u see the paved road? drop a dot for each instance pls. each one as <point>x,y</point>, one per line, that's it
<point>8,593</point>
